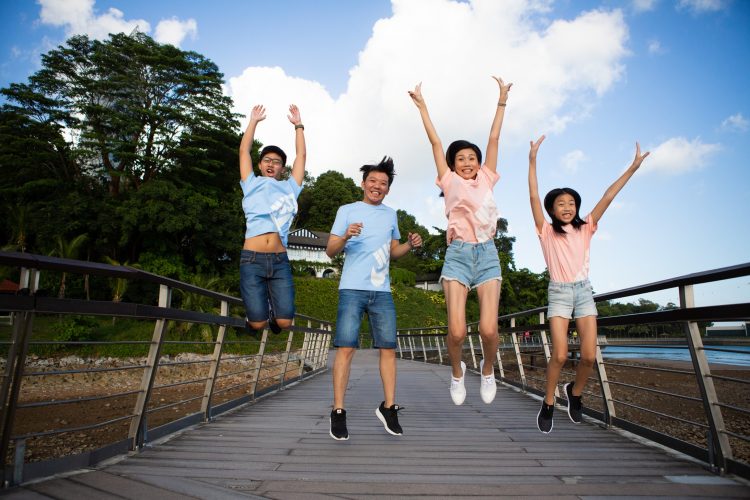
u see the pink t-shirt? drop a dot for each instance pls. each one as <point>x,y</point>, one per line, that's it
<point>470,205</point>
<point>567,255</point>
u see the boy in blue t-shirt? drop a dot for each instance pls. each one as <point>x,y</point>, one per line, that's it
<point>269,204</point>
<point>367,232</point>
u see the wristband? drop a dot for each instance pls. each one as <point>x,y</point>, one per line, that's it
<point>299,125</point>
<point>500,103</point>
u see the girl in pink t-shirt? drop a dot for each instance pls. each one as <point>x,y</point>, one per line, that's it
<point>565,244</point>
<point>471,259</point>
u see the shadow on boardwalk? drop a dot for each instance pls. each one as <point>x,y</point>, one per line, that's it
<point>279,447</point>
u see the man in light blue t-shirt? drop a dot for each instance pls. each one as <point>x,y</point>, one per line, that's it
<point>367,232</point>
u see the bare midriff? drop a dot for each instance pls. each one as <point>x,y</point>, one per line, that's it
<point>267,243</point>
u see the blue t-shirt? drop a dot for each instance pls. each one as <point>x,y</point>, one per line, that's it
<point>368,255</point>
<point>269,205</point>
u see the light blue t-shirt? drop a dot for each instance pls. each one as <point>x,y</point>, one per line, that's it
<point>368,255</point>
<point>269,205</point>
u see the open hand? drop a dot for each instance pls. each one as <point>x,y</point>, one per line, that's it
<point>294,115</point>
<point>638,156</point>
<point>504,89</point>
<point>258,113</point>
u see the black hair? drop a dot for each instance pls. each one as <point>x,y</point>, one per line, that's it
<point>455,147</point>
<point>385,166</point>
<point>549,202</point>
<point>274,149</point>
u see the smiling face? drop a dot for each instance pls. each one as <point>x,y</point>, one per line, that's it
<point>466,163</point>
<point>564,208</point>
<point>375,187</point>
<point>271,165</point>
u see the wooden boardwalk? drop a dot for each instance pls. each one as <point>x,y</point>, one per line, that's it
<point>279,447</point>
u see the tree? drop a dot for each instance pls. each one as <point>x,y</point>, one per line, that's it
<point>128,102</point>
<point>319,202</point>
<point>67,249</point>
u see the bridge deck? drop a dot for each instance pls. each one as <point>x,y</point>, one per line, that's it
<point>280,448</point>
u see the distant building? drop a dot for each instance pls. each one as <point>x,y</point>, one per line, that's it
<point>742,330</point>
<point>430,281</point>
<point>310,246</point>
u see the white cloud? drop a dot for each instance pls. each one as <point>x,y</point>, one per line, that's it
<point>736,123</point>
<point>572,160</point>
<point>78,17</point>
<point>173,31</point>
<point>644,5</point>
<point>678,155</point>
<point>654,47</point>
<point>453,48</point>
<point>701,6</point>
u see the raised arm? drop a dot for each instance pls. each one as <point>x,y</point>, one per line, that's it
<point>536,204</point>
<point>257,114</point>
<point>300,157</point>
<point>437,147</point>
<point>615,188</point>
<point>497,124</point>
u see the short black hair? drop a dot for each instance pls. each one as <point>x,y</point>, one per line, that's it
<point>274,149</point>
<point>455,147</point>
<point>549,202</point>
<point>385,166</point>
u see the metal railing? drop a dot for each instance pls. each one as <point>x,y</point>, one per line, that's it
<point>697,409</point>
<point>145,398</point>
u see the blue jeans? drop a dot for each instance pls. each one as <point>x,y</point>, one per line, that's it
<point>266,281</point>
<point>570,300</point>
<point>381,314</point>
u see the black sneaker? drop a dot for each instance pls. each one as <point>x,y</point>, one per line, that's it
<point>574,404</point>
<point>275,328</point>
<point>338,425</point>
<point>544,418</point>
<point>389,418</point>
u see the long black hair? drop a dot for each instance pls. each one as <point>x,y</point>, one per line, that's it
<point>549,202</point>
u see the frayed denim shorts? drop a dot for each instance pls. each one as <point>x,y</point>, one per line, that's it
<point>381,313</point>
<point>471,264</point>
<point>571,300</point>
<point>266,285</point>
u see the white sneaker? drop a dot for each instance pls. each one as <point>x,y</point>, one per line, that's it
<point>458,391</point>
<point>488,387</point>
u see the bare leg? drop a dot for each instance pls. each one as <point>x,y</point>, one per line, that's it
<point>455,301</point>
<point>586,327</point>
<point>489,301</point>
<point>559,333</point>
<point>388,375</point>
<point>341,366</point>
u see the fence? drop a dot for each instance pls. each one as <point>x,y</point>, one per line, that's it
<point>695,408</point>
<point>65,413</point>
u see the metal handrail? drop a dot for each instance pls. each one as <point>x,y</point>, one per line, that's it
<point>718,453</point>
<point>306,357</point>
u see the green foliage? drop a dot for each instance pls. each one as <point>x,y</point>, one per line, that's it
<point>402,276</point>
<point>74,329</point>
<point>320,200</point>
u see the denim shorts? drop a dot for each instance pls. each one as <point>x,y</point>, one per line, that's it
<point>571,300</point>
<point>471,264</point>
<point>266,281</point>
<point>381,314</point>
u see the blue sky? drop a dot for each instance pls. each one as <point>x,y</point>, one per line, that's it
<point>595,77</point>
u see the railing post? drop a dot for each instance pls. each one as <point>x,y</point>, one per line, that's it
<point>213,369</point>
<point>471,347</point>
<point>424,351</point>
<point>715,419</point>
<point>286,355</point>
<point>411,345</point>
<point>11,386</point>
<point>137,431</point>
<point>609,405</point>
<point>327,345</point>
<point>545,346</point>
<point>439,349</point>
<point>303,351</point>
<point>259,365</point>
<point>398,343</point>
<point>517,349</point>
<point>497,355</point>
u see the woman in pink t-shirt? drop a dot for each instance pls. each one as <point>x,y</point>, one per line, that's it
<point>471,259</point>
<point>565,244</point>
